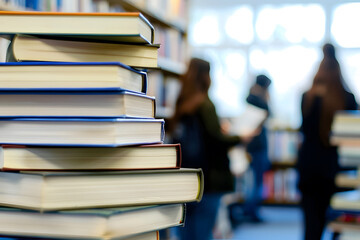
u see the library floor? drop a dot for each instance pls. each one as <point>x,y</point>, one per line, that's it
<point>280,223</point>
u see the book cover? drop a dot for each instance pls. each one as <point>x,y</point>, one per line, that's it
<point>349,200</point>
<point>346,123</point>
<point>85,132</point>
<point>110,223</point>
<point>250,120</point>
<point>76,104</point>
<point>28,48</point>
<point>49,191</point>
<point>157,156</point>
<point>71,76</point>
<point>120,26</point>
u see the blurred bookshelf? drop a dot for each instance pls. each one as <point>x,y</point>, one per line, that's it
<point>280,182</point>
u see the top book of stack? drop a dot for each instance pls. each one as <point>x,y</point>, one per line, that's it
<point>112,27</point>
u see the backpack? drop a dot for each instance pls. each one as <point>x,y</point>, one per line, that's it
<point>189,133</point>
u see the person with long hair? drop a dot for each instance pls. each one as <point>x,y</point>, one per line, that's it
<point>195,125</point>
<point>317,158</point>
<point>258,149</point>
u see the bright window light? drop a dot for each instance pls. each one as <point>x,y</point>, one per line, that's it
<point>266,23</point>
<point>239,25</point>
<point>344,25</point>
<point>229,85</point>
<point>257,60</point>
<point>205,29</point>
<point>288,24</point>
<point>235,65</point>
<point>246,38</point>
<point>350,66</point>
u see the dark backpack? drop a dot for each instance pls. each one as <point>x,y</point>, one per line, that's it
<point>189,133</point>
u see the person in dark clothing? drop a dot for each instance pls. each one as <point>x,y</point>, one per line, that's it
<point>195,125</point>
<point>258,149</point>
<point>317,160</point>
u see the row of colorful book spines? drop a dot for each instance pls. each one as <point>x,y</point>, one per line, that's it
<point>60,5</point>
<point>54,5</point>
<point>172,44</point>
<point>281,185</point>
<point>174,9</point>
<point>283,145</point>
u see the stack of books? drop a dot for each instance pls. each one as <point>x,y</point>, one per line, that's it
<point>82,154</point>
<point>346,135</point>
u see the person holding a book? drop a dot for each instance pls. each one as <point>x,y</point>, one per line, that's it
<point>317,160</point>
<point>195,125</point>
<point>258,148</point>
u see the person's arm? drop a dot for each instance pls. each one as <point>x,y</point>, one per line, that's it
<point>212,125</point>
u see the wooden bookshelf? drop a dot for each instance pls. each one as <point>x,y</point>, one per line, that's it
<point>134,6</point>
<point>283,164</point>
<point>171,33</point>
<point>171,67</point>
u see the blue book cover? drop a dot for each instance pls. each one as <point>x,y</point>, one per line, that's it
<point>19,67</point>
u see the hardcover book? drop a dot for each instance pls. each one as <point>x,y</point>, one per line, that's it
<point>45,191</point>
<point>76,104</point>
<point>66,76</point>
<point>121,27</point>
<point>157,156</point>
<point>89,132</point>
<point>107,223</point>
<point>27,48</point>
<point>349,200</point>
<point>346,123</point>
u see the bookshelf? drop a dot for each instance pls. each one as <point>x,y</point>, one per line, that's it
<point>171,33</point>
<point>280,181</point>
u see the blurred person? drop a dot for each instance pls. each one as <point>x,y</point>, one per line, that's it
<point>258,149</point>
<point>195,125</point>
<point>317,159</point>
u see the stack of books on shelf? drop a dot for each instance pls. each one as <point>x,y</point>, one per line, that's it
<point>346,135</point>
<point>82,154</point>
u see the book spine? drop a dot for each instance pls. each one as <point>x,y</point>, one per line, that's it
<point>178,155</point>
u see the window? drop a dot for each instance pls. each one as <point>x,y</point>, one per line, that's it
<point>344,25</point>
<point>205,28</point>
<point>291,24</point>
<point>281,40</point>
